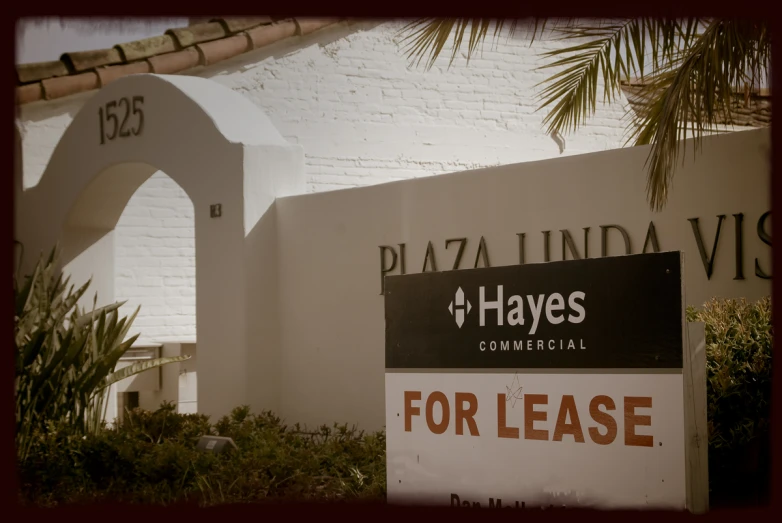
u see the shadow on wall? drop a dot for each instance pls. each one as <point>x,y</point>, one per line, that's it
<point>264,357</point>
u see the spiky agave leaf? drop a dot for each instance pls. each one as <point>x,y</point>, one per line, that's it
<point>137,368</point>
<point>64,354</point>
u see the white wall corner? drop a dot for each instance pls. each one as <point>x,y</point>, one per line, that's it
<point>270,171</point>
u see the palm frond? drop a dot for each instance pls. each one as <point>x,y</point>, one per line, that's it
<point>427,37</point>
<point>612,51</point>
<point>695,92</point>
<point>693,66</point>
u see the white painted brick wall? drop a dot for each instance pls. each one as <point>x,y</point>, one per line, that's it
<point>363,117</point>
<point>155,246</point>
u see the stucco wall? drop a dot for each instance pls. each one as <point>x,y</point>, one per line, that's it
<point>332,327</point>
<point>363,116</point>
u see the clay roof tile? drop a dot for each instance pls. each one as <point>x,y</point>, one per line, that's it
<point>140,49</point>
<point>195,34</point>
<point>204,43</point>
<point>110,74</point>
<point>85,60</point>
<point>29,93</point>
<point>225,48</point>
<point>67,85</point>
<point>175,62</point>
<point>268,34</point>
<point>40,70</point>
<point>308,25</point>
<point>235,25</point>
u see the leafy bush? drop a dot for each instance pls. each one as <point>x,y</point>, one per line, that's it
<point>65,356</point>
<point>739,338</point>
<point>151,457</point>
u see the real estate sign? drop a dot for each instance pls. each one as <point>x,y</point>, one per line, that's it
<point>544,384</point>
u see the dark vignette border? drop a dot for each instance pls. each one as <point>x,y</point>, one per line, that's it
<point>375,10</point>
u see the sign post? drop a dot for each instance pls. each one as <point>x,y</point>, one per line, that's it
<point>552,384</point>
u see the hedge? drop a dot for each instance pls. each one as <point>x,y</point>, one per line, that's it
<point>151,457</point>
<point>739,337</point>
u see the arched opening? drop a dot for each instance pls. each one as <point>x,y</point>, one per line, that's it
<point>156,271</point>
<point>133,232</point>
<point>155,261</point>
<point>225,154</point>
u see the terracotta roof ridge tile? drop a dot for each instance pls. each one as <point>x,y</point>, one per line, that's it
<point>115,72</point>
<point>195,34</point>
<point>308,25</point>
<point>72,84</point>
<point>84,60</point>
<point>176,62</point>
<point>175,51</point>
<point>225,48</point>
<point>264,35</point>
<point>238,24</point>
<point>146,47</point>
<point>37,71</point>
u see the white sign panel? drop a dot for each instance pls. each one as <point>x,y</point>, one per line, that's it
<point>553,384</point>
<point>523,440</point>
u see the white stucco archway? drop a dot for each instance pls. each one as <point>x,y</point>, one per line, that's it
<point>222,150</point>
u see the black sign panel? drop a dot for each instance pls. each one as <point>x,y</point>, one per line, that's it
<point>618,312</point>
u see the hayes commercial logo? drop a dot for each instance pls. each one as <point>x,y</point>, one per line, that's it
<point>458,308</point>
<point>554,308</point>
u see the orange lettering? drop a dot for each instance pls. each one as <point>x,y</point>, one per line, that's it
<point>503,431</point>
<point>573,428</point>
<point>531,416</point>
<point>466,415</point>
<point>410,411</point>
<point>604,419</point>
<point>633,420</point>
<point>437,428</point>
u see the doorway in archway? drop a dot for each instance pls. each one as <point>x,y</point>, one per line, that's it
<point>142,222</point>
<point>155,270</point>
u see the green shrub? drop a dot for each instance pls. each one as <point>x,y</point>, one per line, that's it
<point>739,338</point>
<point>151,457</point>
<point>65,356</point>
<point>738,361</point>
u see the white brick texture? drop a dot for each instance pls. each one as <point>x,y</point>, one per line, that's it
<point>363,116</point>
<point>155,245</point>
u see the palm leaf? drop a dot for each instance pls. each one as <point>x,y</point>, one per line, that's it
<point>136,368</point>
<point>611,51</point>
<point>427,37</point>
<point>694,65</point>
<point>695,93</point>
